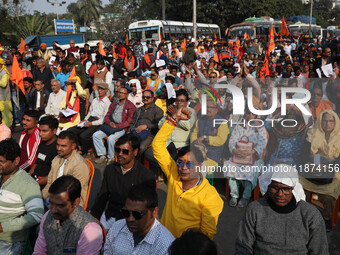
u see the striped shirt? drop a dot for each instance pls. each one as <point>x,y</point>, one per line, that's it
<point>21,206</point>
<point>31,148</point>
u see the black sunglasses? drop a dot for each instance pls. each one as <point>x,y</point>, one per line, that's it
<point>146,97</point>
<point>119,150</point>
<point>137,215</point>
<point>133,86</point>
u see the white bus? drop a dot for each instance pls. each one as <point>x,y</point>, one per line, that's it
<point>303,29</point>
<point>255,27</point>
<point>152,29</point>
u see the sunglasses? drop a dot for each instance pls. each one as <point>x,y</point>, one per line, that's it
<point>189,164</point>
<point>124,151</point>
<point>137,215</point>
<point>146,97</point>
<point>276,189</point>
<point>132,86</point>
<point>152,74</point>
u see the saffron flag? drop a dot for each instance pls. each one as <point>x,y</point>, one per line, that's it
<point>297,34</point>
<point>100,48</point>
<point>275,33</point>
<point>264,71</point>
<point>284,28</point>
<point>271,43</point>
<point>184,45</point>
<point>127,39</point>
<point>114,55</point>
<point>160,38</point>
<point>17,76</point>
<point>246,36</point>
<point>22,46</point>
<point>216,58</point>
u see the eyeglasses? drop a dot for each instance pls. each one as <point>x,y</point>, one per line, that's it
<point>152,74</point>
<point>181,100</point>
<point>212,77</point>
<point>189,164</point>
<point>276,189</point>
<point>146,97</point>
<point>124,151</point>
<point>137,215</point>
<point>132,86</point>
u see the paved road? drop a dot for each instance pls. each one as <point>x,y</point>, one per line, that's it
<point>228,221</point>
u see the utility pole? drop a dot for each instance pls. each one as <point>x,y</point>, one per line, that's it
<point>194,20</point>
<point>310,18</point>
<point>163,9</point>
<point>56,3</point>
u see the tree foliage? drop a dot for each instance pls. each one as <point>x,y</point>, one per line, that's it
<point>89,10</point>
<point>28,25</point>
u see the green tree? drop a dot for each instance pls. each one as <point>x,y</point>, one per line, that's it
<point>89,10</point>
<point>16,4</point>
<point>28,25</point>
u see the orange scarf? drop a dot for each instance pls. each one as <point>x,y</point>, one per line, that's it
<point>83,60</point>
<point>147,59</point>
<point>126,62</point>
<point>76,105</point>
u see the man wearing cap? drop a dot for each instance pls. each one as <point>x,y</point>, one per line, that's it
<point>44,52</point>
<point>282,222</point>
<point>5,95</point>
<point>95,117</point>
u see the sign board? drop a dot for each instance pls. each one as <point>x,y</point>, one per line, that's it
<point>82,29</point>
<point>64,26</point>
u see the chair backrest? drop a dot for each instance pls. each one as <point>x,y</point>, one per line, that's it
<point>89,183</point>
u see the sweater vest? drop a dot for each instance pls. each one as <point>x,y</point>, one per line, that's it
<point>64,240</point>
<point>100,75</point>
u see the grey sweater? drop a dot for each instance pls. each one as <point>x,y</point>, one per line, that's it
<point>264,231</point>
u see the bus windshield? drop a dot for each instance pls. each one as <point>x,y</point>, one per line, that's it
<point>146,33</point>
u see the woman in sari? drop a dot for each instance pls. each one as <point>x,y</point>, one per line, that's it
<point>322,151</point>
<point>286,137</point>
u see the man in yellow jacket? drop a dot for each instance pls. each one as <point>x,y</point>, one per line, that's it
<point>191,201</point>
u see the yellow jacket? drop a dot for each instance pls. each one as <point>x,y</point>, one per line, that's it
<point>198,207</point>
<point>78,92</point>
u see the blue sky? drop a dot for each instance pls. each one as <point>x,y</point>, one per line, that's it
<point>44,6</point>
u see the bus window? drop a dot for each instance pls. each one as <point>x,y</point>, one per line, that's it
<point>152,34</point>
<point>137,33</point>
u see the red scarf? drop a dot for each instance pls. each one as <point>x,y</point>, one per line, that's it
<point>76,104</point>
<point>126,62</point>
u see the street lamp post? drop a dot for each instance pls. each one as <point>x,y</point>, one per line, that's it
<point>56,3</point>
<point>194,21</point>
<point>310,18</point>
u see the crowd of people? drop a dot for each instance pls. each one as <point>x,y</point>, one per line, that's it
<point>148,112</point>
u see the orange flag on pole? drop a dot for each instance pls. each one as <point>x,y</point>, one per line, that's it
<point>22,46</point>
<point>101,50</point>
<point>216,58</point>
<point>114,55</point>
<point>17,76</point>
<point>184,45</point>
<point>160,38</point>
<point>271,42</point>
<point>275,33</point>
<point>264,71</point>
<point>284,28</point>
<point>127,39</point>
